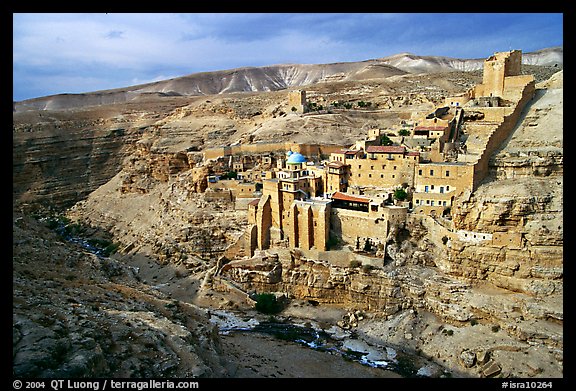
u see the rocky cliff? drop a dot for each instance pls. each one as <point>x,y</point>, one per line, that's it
<point>79,315</point>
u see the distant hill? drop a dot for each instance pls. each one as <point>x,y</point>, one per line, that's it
<point>278,77</point>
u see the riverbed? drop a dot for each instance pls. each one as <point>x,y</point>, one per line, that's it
<point>288,347</point>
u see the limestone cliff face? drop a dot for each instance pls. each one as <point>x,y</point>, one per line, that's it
<point>58,164</point>
<point>384,290</point>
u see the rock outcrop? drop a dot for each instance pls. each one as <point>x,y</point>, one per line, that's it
<point>78,315</point>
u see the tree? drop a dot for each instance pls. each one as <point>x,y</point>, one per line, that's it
<point>404,132</point>
<point>400,194</point>
<point>385,140</point>
<point>267,303</point>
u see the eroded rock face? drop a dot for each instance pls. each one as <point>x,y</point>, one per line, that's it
<point>71,318</point>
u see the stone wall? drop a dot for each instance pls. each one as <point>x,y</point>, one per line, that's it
<point>382,171</point>
<point>308,150</point>
<point>350,225</point>
<point>502,132</point>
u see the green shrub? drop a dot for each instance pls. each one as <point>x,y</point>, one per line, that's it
<point>267,303</point>
<point>385,140</point>
<point>400,194</point>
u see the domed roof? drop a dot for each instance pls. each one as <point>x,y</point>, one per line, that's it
<point>296,158</point>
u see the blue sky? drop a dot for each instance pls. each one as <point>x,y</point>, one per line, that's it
<point>73,53</point>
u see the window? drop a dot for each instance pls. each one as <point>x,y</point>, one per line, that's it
<point>431,187</point>
<point>427,202</point>
<point>443,203</point>
<point>419,172</point>
<point>359,175</point>
<point>431,172</point>
<point>447,173</point>
<point>441,189</point>
<point>417,202</point>
<point>369,175</point>
<point>394,167</point>
<point>381,175</point>
<point>383,166</point>
<point>447,188</point>
<point>371,167</point>
<point>432,203</point>
<point>359,166</point>
<point>426,189</point>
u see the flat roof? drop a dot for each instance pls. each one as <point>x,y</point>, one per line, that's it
<point>424,127</point>
<point>385,149</point>
<point>350,198</point>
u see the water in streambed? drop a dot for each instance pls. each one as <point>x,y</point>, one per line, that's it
<point>344,342</point>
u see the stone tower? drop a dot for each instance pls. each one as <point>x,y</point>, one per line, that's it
<point>297,100</point>
<point>497,68</point>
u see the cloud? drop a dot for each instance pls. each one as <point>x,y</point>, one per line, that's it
<point>115,34</point>
<point>77,50</point>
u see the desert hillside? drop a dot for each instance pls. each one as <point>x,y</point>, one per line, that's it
<point>278,77</point>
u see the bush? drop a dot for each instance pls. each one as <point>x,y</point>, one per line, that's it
<point>367,268</point>
<point>385,140</point>
<point>400,194</point>
<point>267,303</point>
<point>354,263</point>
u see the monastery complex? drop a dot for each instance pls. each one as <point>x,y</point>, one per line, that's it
<point>313,196</point>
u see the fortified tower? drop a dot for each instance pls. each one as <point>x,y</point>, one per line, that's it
<point>297,101</point>
<point>496,69</point>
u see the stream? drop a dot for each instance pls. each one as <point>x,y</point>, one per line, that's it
<point>344,342</point>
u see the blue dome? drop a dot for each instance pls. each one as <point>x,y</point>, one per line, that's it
<point>289,153</point>
<point>296,158</point>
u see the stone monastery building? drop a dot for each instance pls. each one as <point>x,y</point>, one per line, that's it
<point>351,197</point>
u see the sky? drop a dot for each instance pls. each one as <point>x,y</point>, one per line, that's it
<point>56,53</point>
